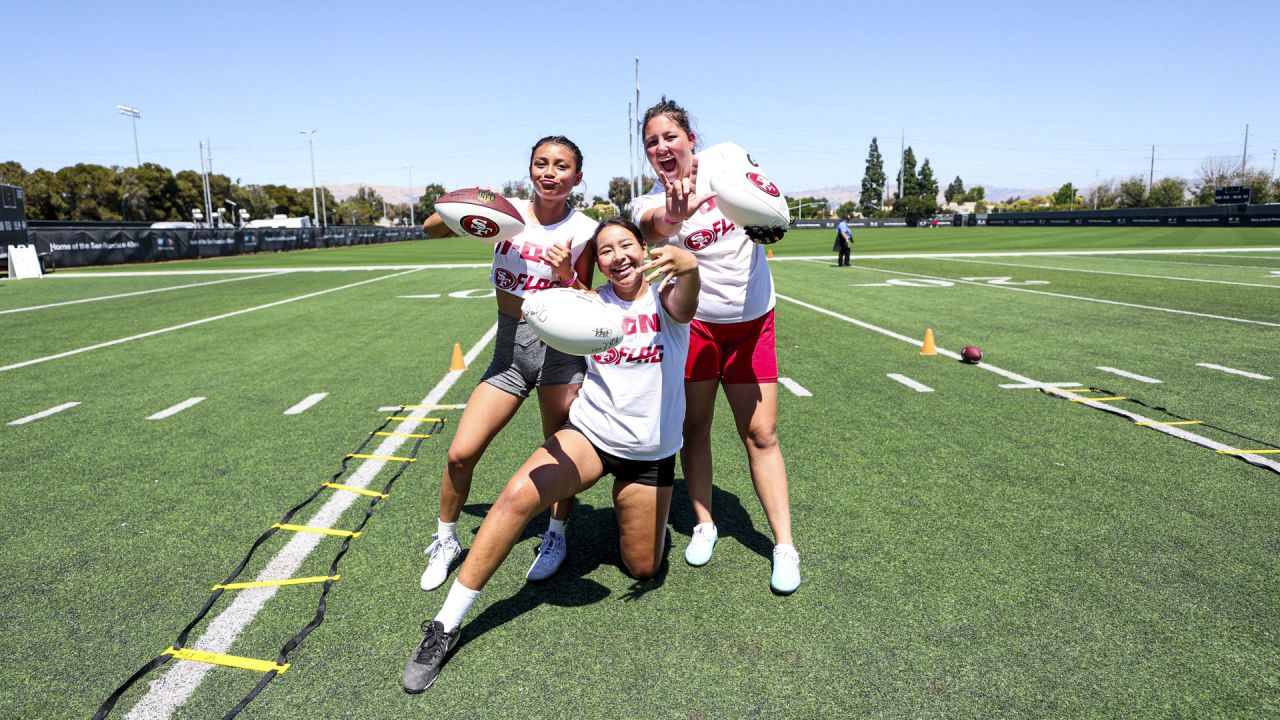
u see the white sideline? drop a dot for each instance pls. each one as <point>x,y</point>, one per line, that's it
<point>1033,253</point>
<point>1178,432</point>
<point>1069,297</point>
<point>176,408</point>
<point>45,413</point>
<point>194,323</point>
<point>1112,272</point>
<point>168,692</point>
<point>135,293</point>
<point>307,402</point>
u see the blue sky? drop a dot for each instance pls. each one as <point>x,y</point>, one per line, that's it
<point>1001,94</point>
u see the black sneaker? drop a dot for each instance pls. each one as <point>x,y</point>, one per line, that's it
<point>424,665</point>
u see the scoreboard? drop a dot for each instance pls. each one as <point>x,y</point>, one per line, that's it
<point>13,217</point>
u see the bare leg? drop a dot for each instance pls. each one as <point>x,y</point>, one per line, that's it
<point>488,411</point>
<point>642,525</point>
<point>755,412</point>
<point>554,402</point>
<point>564,466</point>
<point>695,457</point>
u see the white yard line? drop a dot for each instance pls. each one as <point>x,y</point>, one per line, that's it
<point>795,387</point>
<point>1048,253</point>
<point>1131,376</point>
<point>168,692</point>
<point>1111,272</point>
<point>194,323</point>
<point>135,294</point>
<point>347,268</point>
<point>1233,371</point>
<point>307,402</point>
<point>1178,432</point>
<point>417,297</point>
<point>1037,386</point>
<point>44,413</point>
<point>1070,297</point>
<point>918,387</point>
<point>167,412</point>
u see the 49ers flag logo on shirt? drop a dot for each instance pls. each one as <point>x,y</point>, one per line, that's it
<point>763,183</point>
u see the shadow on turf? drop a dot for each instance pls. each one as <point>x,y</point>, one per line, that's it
<point>593,541</point>
<point>732,520</point>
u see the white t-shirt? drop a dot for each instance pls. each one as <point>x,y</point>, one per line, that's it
<point>736,284</point>
<point>632,400</point>
<point>518,267</point>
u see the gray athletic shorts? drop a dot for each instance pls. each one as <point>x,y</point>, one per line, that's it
<point>521,361</point>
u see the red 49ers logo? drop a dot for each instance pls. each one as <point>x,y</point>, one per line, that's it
<point>503,279</point>
<point>479,226</point>
<point>763,183</point>
<point>699,240</point>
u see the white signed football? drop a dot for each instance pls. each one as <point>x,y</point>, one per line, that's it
<point>746,195</point>
<point>479,215</point>
<point>573,321</point>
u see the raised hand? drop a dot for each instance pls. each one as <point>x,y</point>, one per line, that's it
<point>667,262</point>
<point>560,257</point>
<point>682,198</point>
<point>762,235</point>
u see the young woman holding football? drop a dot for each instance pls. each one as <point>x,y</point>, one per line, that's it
<point>552,251</point>
<point>626,422</point>
<point>732,336</point>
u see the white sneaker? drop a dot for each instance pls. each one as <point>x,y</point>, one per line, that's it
<point>786,569</point>
<point>444,553</point>
<point>701,544</point>
<point>550,555</point>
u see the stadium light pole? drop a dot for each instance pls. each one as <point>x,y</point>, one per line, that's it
<point>315,204</point>
<point>413,222</point>
<point>135,114</point>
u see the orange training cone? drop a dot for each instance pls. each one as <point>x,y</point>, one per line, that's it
<point>768,254</point>
<point>928,348</point>
<point>458,363</point>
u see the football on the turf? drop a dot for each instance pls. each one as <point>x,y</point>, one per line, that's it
<point>479,215</point>
<point>573,321</point>
<point>745,193</point>
<point>970,354</point>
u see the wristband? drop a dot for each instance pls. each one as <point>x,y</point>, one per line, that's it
<point>570,282</point>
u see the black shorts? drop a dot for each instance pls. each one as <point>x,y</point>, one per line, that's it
<point>655,473</point>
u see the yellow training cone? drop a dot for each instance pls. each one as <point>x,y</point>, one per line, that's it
<point>928,348</point>
<point>460,364</point>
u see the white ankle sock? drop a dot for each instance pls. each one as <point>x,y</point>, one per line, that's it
<point>445,529</point>
<point>557,526</point>
<point>456,605</point>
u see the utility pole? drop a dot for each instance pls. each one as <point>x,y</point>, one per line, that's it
<point>135,114</point>
<point>639,134</point>
<point>1244,158</point>
<point>1097,189</point>
<point>902,165</point>
<point>631,152</point>
<point>1151,178</point>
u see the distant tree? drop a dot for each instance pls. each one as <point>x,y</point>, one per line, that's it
<point>577,200</point>
<point>426,204</point>
<point>927,185</point>
<point>1065,197</point>
<point>979,206</point>
<point>620,191</point>
<point>42,191</point>
<point>974,194</point>
<point>149,192</point>
<point>1132,193</point>
<point>517,189</point>
<point>955,191</point>
<point>872,181</point>
<point>12,173</point>
<point>910,181</point>
<point>1168,192</point>
<point>91,192</point>
<point>848,209</point>
<point>1213,173</point>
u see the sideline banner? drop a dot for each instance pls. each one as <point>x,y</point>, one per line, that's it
<point>1221,215</point>
<point>83,246</point>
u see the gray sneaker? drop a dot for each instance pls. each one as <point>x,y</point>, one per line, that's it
<point>550,555</point>
<point>425,663</point>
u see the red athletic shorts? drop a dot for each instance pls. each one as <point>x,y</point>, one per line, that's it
<point>741,352</point>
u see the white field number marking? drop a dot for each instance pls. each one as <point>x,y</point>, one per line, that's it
<point>307,402</point>
<point>918,387</point>
<point>795,387</point>
<point>1131,376</point>
<point>929,282</point>
<point>44,413</point>
<point>1233,371</point>
<point>177,408</point>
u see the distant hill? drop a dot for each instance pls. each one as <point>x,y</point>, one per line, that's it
<point>391,193</point>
